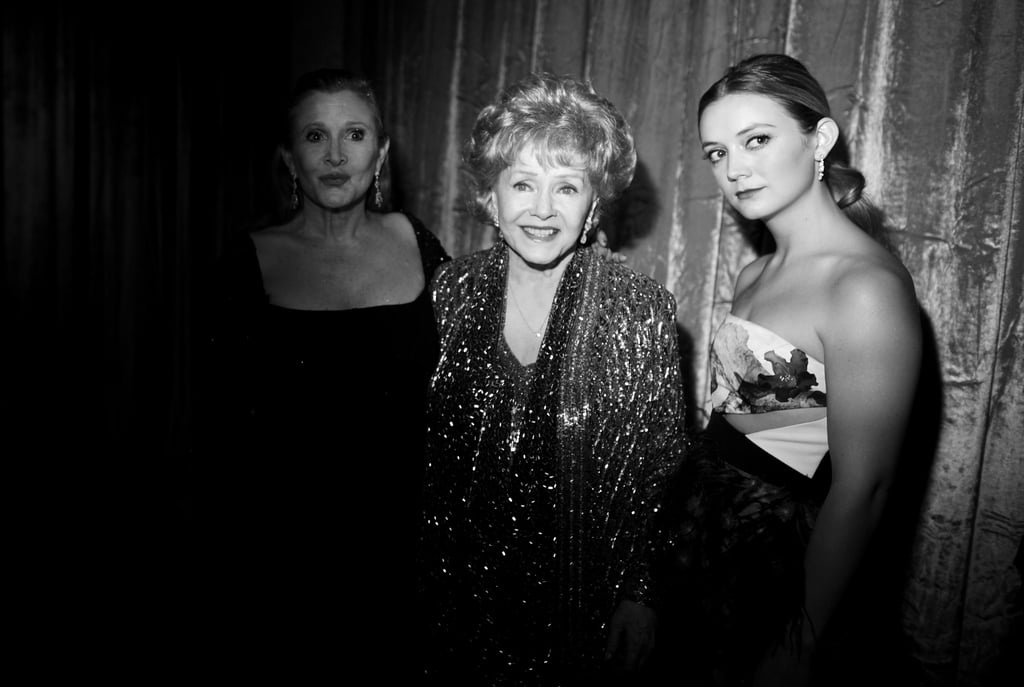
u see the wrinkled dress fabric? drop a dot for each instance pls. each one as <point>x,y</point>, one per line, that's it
<point>541,481</point>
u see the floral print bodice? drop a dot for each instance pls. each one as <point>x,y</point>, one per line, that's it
<point>754,370</point>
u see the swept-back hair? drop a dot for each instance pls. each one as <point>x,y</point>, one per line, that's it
<point>786,80</point>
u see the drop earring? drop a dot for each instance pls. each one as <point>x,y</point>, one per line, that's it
<point>378,197</point>
<point>821,169</point>
<point>295,192</point>
<point>588,224</point>
<point>497,228</point>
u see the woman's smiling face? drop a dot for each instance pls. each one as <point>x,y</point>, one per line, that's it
<point>541,209</point>
<point>760,158</point>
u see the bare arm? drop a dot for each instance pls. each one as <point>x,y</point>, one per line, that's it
<point>872,340</point>
<point>872,343</point>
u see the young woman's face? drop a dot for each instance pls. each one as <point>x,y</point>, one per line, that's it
<point>760,158</point>
<point>335,152</point>
<point>541,210</point>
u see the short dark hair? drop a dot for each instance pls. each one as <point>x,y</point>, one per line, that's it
<point>327,80</point>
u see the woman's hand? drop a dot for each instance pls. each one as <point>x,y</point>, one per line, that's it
<point>602,249</point>
<point>631,636</point>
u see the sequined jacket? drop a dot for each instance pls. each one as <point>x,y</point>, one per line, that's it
<point>539,501</point>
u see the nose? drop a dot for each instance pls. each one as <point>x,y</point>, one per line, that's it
<point>542,206</point>
<point>736,166</point>
<point>335,154</point>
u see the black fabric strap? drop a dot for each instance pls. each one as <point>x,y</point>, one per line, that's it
<point>740,452</point>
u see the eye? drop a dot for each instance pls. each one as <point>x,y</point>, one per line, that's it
<point>521,186</point>
<point>568,189</point>
<point>714,155</point>
<point>314,136</point>
<point>357,134</point>
<point>759,141</point>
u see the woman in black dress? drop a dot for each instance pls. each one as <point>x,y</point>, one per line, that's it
<point>322,341</point>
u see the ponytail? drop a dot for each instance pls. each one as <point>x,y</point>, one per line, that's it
<point>847,186</point>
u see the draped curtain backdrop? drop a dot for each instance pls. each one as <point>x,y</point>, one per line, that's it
<point>128,161</point>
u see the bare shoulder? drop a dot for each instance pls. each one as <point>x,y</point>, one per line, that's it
<point>872,295</point>
<point>398,227</point>
<point>273,234</point>
<point>274,244</point>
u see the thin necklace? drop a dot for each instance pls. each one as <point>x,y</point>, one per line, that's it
<point>515,302</point>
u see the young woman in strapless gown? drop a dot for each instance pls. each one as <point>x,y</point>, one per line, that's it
<point>819,355</point>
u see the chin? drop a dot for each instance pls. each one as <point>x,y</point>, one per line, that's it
<point>750,214</point>
<point>547,260</point>
<point>336,204</point>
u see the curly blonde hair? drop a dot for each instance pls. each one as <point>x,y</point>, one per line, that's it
<point>564,121</point>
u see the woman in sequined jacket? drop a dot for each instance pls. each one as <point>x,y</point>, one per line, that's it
<point>555,413</point>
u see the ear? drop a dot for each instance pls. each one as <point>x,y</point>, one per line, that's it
<point>826,135</point>
<point>289,161</point>
<point>491,204</point>
<point>383,154</point>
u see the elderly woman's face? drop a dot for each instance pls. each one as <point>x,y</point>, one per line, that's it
<point>541,209</point>
<point>335,151</point>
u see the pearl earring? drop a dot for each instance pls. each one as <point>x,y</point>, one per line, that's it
<point>821,169</point>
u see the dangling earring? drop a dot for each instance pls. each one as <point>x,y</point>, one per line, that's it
<point>821,169</point>
<point>378,197</point>
<point>295,192</point>
<point>588,224</point>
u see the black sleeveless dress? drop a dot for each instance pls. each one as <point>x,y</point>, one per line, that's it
<point>314,456</point>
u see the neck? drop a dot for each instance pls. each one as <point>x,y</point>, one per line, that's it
<point>536,276</point>
<point>807,224</point>
<point>333,224</point>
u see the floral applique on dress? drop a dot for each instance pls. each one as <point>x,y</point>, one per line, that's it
<point>750,372</point>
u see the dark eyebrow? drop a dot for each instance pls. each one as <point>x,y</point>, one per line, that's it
<point>742,132</point>
<point>347,125</point>
<point>753,126</point>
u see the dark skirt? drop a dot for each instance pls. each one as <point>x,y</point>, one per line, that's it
<point>736,524</point>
